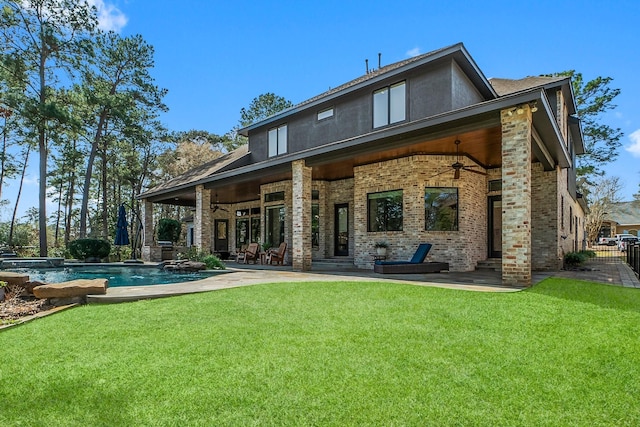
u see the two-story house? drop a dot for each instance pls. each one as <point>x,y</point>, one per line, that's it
<point>423,150</point>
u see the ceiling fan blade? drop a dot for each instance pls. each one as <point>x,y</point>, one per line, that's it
<point>440,173</point>
<point>456,175</point>
<point>474,171</point>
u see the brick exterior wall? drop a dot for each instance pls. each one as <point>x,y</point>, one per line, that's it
<point>516,197</point>
<point>544,218</point>
<point>462,249</point>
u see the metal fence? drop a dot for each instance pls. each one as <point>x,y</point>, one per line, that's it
<point>633,257</point>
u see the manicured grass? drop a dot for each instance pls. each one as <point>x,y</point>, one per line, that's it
<point>562,353</point>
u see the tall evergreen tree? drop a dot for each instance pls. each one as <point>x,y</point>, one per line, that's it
<point>49,36</point>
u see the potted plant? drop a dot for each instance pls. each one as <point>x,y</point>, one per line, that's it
<point>381,248</point>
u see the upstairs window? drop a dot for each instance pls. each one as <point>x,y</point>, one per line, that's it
<point>389,105</point>
<point>278,141</point>
<point>325,114</point>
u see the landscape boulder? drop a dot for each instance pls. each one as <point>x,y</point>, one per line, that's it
<point>185,266</point>
<point>14,278</point>
<point>72,289</point>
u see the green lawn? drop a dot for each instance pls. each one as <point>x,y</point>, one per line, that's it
<point>298,354</point>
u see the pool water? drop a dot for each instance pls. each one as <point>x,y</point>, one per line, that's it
<point>118,276</point>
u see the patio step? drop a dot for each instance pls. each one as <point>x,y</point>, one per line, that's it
<point>492,264</point>
<point>334,263</point>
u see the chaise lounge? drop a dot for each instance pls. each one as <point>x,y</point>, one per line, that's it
<point>413,266</point>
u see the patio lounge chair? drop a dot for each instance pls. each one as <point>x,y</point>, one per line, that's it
<point>415,265</point>
<point>251,253</point>
<point>277,255</point>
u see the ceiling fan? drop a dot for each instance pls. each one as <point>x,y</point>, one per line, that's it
<point>459,166</point>
<point>217,206</point>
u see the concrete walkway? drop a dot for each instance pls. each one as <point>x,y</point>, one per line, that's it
<point>610,271</point>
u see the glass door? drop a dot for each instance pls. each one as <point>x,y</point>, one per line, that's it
<point>341,230</point>
<point>495,227</point>
<point>221,237</point>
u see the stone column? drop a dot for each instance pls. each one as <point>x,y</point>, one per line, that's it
<point>147,223</point>
<point>301,216</point>
<point>202,220</point>
<point>516,197</point>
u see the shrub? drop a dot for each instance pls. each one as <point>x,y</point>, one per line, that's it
<point>89,248</point>
<point>577,258</point>
<point>169,229</point>
<point>211,261</point>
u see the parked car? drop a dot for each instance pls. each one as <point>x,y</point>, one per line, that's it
<point>609,241</point>
<point>624,242</point>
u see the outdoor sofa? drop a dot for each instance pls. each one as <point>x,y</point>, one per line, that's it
<point>414,266</point>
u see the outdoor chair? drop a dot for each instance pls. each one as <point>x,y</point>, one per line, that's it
<point>415,265</point>
<point>277,255</point>
<point>251,253</point>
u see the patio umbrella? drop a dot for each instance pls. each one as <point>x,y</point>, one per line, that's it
<point>122,235</point>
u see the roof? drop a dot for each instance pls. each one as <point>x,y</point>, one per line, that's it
<point>509,86</point>
<point>201,172</point>
<point>625,213</point>
<point>457,50</point>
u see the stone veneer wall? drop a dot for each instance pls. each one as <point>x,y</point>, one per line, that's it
<point>462,249</point>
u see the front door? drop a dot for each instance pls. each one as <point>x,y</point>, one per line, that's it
<point>342,230</point>
<point>221,235</point>
<point>495,227</point>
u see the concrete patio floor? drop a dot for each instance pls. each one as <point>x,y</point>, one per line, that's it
<point>609,271</point>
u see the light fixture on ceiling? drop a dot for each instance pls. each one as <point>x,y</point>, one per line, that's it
<point>534,106</point>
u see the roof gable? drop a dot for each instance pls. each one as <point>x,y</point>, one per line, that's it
<point>457,52</point>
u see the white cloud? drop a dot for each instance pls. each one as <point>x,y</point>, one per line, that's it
<point>634,148</point>
<point>110,18</point>
<point>413,52</point>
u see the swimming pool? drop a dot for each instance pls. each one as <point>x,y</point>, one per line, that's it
<point>117,275</point>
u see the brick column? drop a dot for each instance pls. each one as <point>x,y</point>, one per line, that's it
<point>202,219</point>
<point>516,197</point>
<point>301,216</point>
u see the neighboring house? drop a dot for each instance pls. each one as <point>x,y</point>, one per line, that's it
<point>622,218</point>
<point>377,159</point>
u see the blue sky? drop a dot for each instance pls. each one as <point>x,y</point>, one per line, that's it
<point>214,57</point>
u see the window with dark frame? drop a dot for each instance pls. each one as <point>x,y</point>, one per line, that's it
<point>385,211</point>
<point>277,196</point>
<point>389,105</point>
<point>441,209</point>
<point>274,225</point>
<point>278,140</point>
<point>325,114</point>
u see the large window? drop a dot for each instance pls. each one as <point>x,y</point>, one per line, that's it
<point>242,232</point>
<point>440,209</point>
<point>278,141</point>
<point>389,105</point>
<point>274,225</point>
<point>385,211</point>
